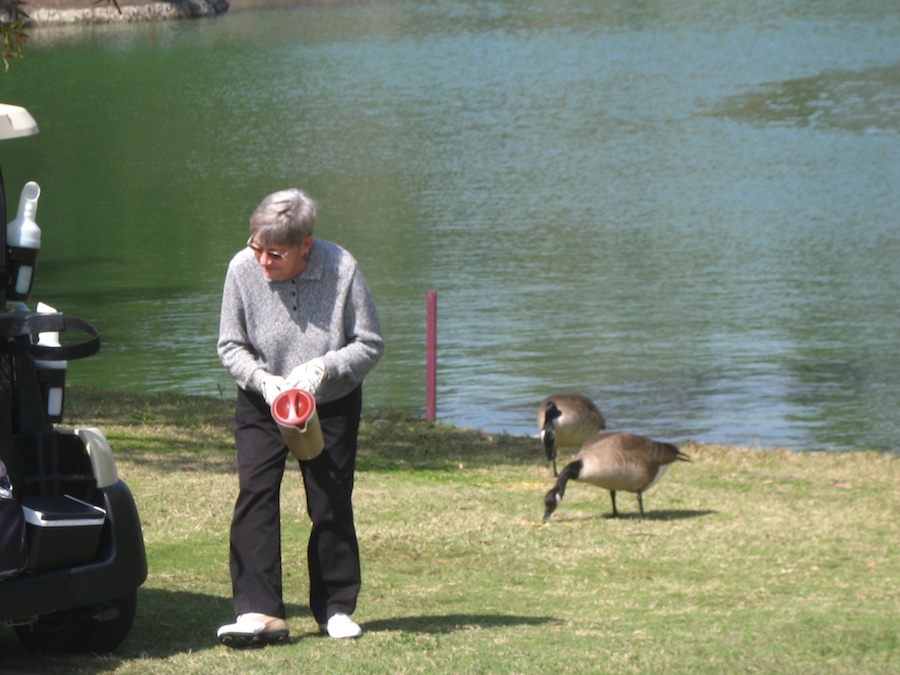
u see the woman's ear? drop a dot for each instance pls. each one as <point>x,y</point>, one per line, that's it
<point>306,247</point>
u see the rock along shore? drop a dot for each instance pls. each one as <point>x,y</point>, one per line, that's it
<point>57,12</point>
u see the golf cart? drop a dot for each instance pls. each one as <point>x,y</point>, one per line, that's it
<point>71,549</point>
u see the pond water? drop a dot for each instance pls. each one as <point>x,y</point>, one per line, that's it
<point>687,211</point>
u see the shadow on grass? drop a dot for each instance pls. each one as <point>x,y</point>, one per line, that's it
<point>680,514</point>
<point>181,622</point>
<point>674,514</point>
<point>170,622</point>
<point>167,623</point>
<point>449,623</point>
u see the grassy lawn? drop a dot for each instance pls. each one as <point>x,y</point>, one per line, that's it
<point>749,561</point>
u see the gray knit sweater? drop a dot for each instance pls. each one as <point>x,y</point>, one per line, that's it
<point>270,327</point>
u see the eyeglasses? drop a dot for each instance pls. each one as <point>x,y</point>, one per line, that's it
<point>259,250</point>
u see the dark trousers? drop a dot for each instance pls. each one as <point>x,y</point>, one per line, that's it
<point>333,551</point>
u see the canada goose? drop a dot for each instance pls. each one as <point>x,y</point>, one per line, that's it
<point>616,461</point>
<point>567,421</point>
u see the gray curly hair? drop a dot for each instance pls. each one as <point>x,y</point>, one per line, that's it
<point>284,218</point>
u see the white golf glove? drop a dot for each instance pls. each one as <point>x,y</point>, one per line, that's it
<point>271,386</point>
<point>307,376</point>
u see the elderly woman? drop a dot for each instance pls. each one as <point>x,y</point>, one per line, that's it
<point>296,313</point>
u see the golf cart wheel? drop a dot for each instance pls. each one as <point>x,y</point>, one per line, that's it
<point>94,629</point>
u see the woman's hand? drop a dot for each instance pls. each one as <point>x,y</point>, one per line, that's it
<point>307,376</point>
<point>272,385</point>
